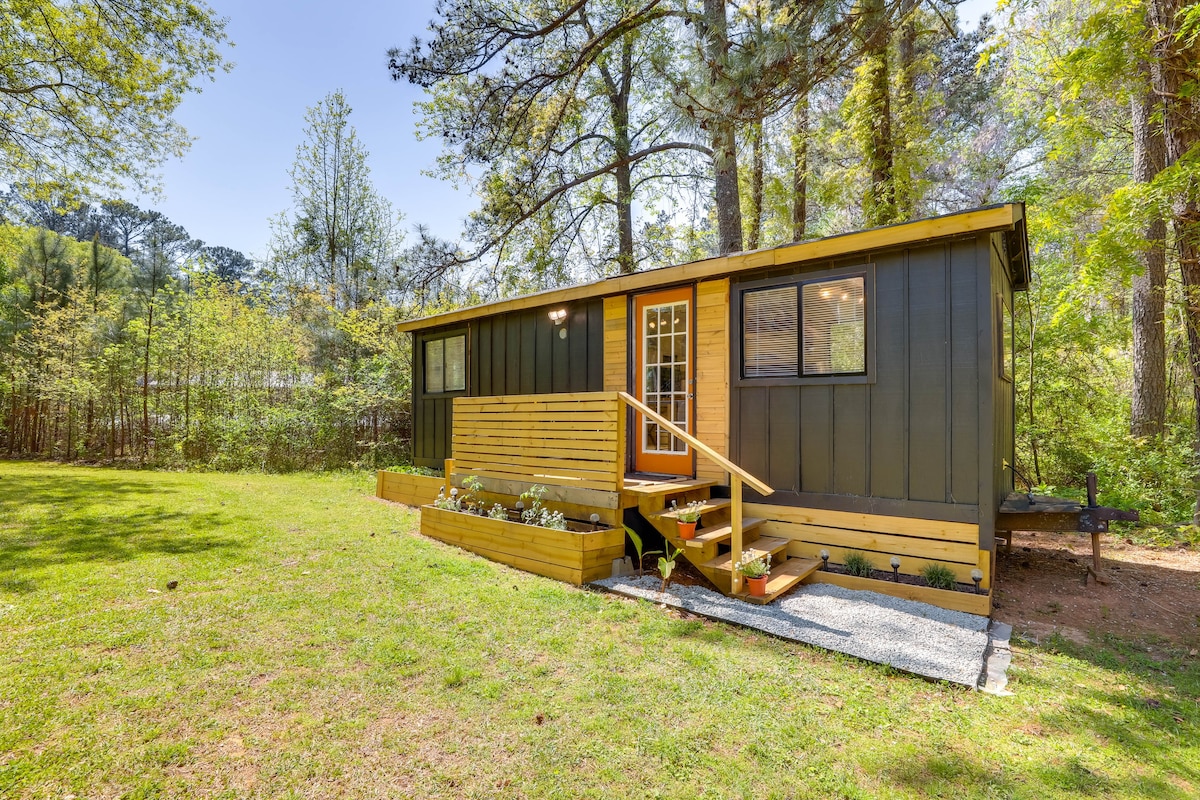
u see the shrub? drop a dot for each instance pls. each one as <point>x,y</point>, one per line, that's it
<point>857,564</point>
<point>939,576</point>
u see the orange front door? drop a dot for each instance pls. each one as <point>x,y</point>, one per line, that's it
<point>663,379</point>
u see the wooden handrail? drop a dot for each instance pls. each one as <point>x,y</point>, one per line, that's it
<point>737,476</point>
<point>712,455</point>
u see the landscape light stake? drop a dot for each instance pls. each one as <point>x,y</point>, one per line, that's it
<point>896,569</point>
<point>595,521</point>
<point>825,560</point>
<point>977,576</point>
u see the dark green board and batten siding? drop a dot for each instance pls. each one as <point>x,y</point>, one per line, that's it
<point>919,437</point>
<point>515,353</point>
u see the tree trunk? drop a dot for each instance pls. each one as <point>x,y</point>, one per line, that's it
<point>146,384</point>
<point>800,168</point>
<point>1149,336</point>
<point>879,205</point>
<point>724,139</point>
<point>905,113</point>
<point>754,229</point>
<point>1173,70</point>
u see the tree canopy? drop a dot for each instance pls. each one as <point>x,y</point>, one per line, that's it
<point>88,89</point>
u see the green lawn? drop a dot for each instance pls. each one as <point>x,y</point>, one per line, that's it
<point>317,646</point>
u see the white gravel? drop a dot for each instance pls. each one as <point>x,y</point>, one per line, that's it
<point>911,636</point>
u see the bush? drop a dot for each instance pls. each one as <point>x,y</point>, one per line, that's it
<point>857,564</point>
<point>939,576</point>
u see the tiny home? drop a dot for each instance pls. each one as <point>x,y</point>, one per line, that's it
<point>854,392</point>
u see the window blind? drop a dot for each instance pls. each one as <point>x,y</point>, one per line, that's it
<point>434,373</point>
<point>834,327</point>
<point>770,332</point>
<point>456,363</point>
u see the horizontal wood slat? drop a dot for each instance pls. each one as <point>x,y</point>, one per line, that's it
<point>906,526</point>
<point>570,440</point>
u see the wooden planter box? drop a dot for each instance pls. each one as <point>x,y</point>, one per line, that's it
<point>576,557</point>
<point>412,490</point>
<point>980,604</point>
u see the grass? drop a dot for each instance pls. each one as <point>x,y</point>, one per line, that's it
<point>317,647</point>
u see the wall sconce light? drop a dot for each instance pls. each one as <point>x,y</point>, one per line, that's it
<point>825,560</point>
<point>558,315</point>
<point>977,576</point>
<point>896,569</point>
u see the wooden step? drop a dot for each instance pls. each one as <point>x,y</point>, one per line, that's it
<point>649,487</point>
<point>721,533</point>
<point>783,577</point>
<point>714,504</point>
<point>767,544</point>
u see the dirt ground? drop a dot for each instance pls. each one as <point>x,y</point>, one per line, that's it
<point>1153,595</point>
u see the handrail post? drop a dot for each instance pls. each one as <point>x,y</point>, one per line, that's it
<point>449,469</point>
<point>735,525</point>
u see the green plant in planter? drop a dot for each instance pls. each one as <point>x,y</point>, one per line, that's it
<point>752,566</point>
<point>498,511</point>
<point>857,564</point>
<point>637,546</point>
<point>689,513</point>
<point>666,565</point>
<point>939,576</point>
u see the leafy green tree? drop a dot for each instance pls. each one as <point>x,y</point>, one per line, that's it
<point>88,89</point>
<point>341,240</point>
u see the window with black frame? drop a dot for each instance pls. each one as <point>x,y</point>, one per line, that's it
<point>811,329</point>
<point>446,364</point>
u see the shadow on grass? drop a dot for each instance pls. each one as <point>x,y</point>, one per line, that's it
<point>64,518</point>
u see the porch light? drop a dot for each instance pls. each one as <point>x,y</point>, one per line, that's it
<point>896,569</point>
<point>825,560</point>
<point>558,315</point>
<point>977,576</point>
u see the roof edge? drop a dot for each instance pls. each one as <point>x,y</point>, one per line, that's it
<point>1005,216</point>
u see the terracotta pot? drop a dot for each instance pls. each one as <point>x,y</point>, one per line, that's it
<point>758,586</point>
<point>687,530</point>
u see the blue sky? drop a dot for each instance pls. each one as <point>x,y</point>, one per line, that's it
<point>248,123</point>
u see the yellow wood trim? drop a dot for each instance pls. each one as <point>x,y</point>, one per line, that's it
<point>889,544</point>
<point>905,526</point>
<point>554,424</point>
<point>447,472</point>
<point>980,604</point>
<point>909,565</point>
<point>985,566</point>
<point>590,457</point>
<point>735,524</point>
<point>616,346</point>
<point>518,438</point>
<point>580,468</point>
<point>550,478</point>
<point>515,485</point>
<point>412,490</point>
<point>583,418</point>
<point>1003,217</point>
<point>564,397</point>
<point>700,446</point>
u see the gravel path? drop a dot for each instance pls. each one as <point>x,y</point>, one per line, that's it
<point>915,637</point>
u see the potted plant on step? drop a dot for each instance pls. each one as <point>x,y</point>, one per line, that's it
<point>688,518</point>
<point>756,570</point>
